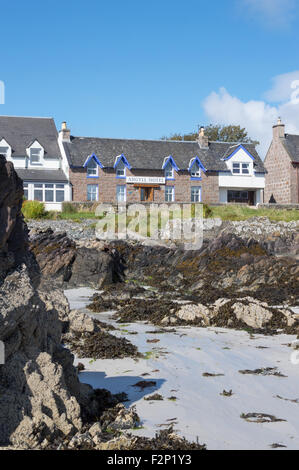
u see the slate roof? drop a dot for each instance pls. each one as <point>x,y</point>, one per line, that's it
<point>21,132</point>
<point>150,154</point>
<point>44,176</point>
<point>291,144</point>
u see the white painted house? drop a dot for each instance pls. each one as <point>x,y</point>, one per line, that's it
<point>244,179</point>
<point>32,145</point>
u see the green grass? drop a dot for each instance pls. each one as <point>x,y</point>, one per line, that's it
<point>233,212</point>
<point>238,212</point>
<point>76,215</point>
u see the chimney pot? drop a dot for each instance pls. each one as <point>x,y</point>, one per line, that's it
<point>278,130</point>
<point>203,139</point>
<point>64,133</point>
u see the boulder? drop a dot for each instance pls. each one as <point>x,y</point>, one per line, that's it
<point>194,314</point>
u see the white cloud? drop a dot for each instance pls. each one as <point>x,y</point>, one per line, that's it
<point>273,13</point>
<point>282,87</point>
<point>256,116</point>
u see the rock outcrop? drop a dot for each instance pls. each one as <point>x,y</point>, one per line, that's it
<point>39,390</point>
<point>13,233</point>
<point>63,261</point>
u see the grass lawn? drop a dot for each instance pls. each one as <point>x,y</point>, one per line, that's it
<point>238,212</point>
<point>232,212</point>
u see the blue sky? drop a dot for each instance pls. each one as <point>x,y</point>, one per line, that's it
<point>145,69</point>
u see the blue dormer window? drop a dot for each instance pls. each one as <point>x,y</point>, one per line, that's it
<point>121,170</point>
<point>195,171</point>
<point>169,174</point>
<point>92,168</point>
<point>120,165</point>
<point>195,168</point>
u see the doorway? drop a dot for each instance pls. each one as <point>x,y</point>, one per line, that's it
<point>146,194</point>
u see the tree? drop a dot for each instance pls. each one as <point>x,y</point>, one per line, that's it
<point>217,133</point>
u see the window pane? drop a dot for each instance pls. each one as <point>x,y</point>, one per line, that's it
<point>59,196</point>
<point>121,193</point>
<point>195,194</point>
<point>92,192</point>
<point>195,170</point>
<point>236,167</point>
<point>38,195</point>
<point>3,150</point>
<point>37,185</point>
<point>245,168</point>
<point>169,194</point>
<point>49,185</point>
<point>26,193</point>
<point>35,155</point>
<point>60,186</point>
<point>92,168</point>
<point>49,195</point>
<point>120,170</point>
<point>169,171</point>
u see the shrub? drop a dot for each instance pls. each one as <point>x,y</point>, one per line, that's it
<point>33,210</point>
<point>207,211</point>
<point>69,208</point>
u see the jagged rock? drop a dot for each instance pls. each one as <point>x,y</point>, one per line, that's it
<point>60,259</point>
<point>247,311</point>
<point>194,314</point>
<point>120,418</point>
<point>13,232</point>
<point>39,388</point>
<point>95,429</point>
<point>80,322</point>
<point>82,441</point>
<point>35,402</point>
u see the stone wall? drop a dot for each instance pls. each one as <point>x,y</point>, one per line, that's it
<point>107,184</point>
<point>281,178</point>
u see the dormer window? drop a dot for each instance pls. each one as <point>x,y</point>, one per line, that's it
<point>195,172</point>
<point>35,156</point>
<point>240,168</point>
<point>169,171</point>
<point>92,168</point>
<point>121,170</point>
<point>4,151</point>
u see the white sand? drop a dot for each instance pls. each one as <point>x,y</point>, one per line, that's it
<point>199,410</point>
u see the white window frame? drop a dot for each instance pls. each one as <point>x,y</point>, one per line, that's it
<point>5,153</point>
<point>38,153</point>
<point>195,173</point>
<point>247,167</point>
<point>121,193</point>
<point>169,171</point>
<point>195,191</point>
<point>93,193</point>
<point>43,187</point>
<point>169,194</point>
<point>241,168</point>
<point>26,190</point>
<point>92,171</point>
<point>121,170</point>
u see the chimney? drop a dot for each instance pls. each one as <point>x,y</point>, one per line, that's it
<point>64,133</point>
<point>278,130</point>
<point>203,139</point>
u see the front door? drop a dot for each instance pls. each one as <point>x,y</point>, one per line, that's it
<point>251,198</point>
<point>146,194</point>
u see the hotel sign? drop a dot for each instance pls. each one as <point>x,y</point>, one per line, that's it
<point>145,179</point>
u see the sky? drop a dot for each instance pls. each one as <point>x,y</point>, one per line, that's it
<point>139,69</point>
